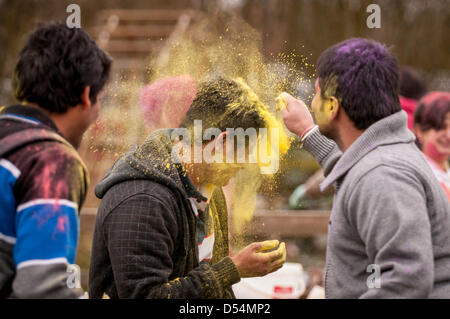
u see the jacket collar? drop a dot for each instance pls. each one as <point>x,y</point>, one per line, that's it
<point>390,130</point>
<point>30,114</point>
<point>155,158</point>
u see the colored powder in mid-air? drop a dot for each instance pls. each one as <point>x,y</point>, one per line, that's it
<point>233,50</point>
<point>248,181</point>
<point>210,48</point>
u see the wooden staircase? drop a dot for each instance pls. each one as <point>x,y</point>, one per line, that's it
<point>132,36</point>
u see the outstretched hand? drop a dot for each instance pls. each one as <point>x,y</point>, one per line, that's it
<point>296,115</point>
<point>252,261</point>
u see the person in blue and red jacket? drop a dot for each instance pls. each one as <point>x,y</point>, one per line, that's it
<point>58,79</point>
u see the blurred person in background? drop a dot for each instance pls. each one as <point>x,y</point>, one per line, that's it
<point>432,128</point>
<point>412,87</point>
<point>59,78</point>
<point>164,103</point>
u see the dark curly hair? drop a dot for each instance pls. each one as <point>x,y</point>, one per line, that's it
<point>412,84</point>
<point>56,65</point>
<point>224,103</point>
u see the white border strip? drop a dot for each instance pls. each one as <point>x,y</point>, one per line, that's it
<point>194,207</point>
<point>43,201</point>
<point>10,167</point>
<point>8,239</point>
<point>9,116</point>
<point>41,262</point>
<point>316,127</point>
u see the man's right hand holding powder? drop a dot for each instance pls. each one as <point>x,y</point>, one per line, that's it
<point>257,259</point>
<point>296,115</point>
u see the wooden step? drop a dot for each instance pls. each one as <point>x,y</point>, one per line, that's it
<point>289,223</point>
<point>144,15</point>
<point>137,31</point>
<point>139,46</point>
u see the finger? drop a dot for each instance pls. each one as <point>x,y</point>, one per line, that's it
<point>287,99</point>
<point>276,266</point>
<point>282,258</point>
<point>268,245</point>
<point>280,103</point>
<point>291,101</point>
<point>284,112</point>
<point>255,247</point>
<point>277,254</point>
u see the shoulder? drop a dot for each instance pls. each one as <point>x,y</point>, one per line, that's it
<point>50,170</point>
<point>51,154</point>
<point>387,171</point>
<point>402,161</point>
<point>138,192</point>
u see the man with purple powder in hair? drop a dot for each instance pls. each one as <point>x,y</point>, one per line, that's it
<point>389,228</point>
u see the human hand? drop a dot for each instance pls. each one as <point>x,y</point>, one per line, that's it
<point>252,261</point>
<point>296,115</point>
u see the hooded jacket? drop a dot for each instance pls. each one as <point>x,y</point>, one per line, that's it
<point>389,228</point>
<point>43,186</point>
<point>145,238</point>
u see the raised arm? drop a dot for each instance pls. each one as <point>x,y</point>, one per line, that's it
<point>298,120</point>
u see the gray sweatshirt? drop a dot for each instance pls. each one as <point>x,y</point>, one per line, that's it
<point>389,229</point>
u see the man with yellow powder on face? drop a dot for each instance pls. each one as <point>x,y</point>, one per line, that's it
<point>389,228</point>
<point>156,235</point>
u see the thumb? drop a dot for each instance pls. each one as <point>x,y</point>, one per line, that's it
<point>288,99</point>
<point>268,245</point>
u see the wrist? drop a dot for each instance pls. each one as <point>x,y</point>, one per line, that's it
<point>227,271</point>
<point>304,134</point>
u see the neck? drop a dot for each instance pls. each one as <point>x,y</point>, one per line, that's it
<point>193,174</point>
<point>191,168</point>
<point>347,135</point>
<point>65,124</point>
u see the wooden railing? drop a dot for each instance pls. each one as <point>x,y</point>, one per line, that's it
<point>131,36</point>
<point>287,223</point>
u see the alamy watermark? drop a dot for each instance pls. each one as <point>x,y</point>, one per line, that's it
<point>74,19</point>
<point>374,19</point>
<point>262,146</point>
<point>74,278</point>
<point>374,280</point>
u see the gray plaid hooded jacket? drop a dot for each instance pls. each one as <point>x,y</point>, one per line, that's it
<point>145,243</point>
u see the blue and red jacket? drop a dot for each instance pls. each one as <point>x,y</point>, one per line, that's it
<point>43,184</point>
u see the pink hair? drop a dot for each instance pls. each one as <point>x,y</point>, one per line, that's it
<point>165,102</point>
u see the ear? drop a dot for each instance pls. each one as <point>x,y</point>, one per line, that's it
<point>220,140</point>
<point>418,132</point>
<point>85,99</point>
<point>333,107</point>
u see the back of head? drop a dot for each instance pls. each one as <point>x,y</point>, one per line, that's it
<point>56,65</point>
<point>363,75</point>
<point>412,84</point>
<point>222,103</point>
